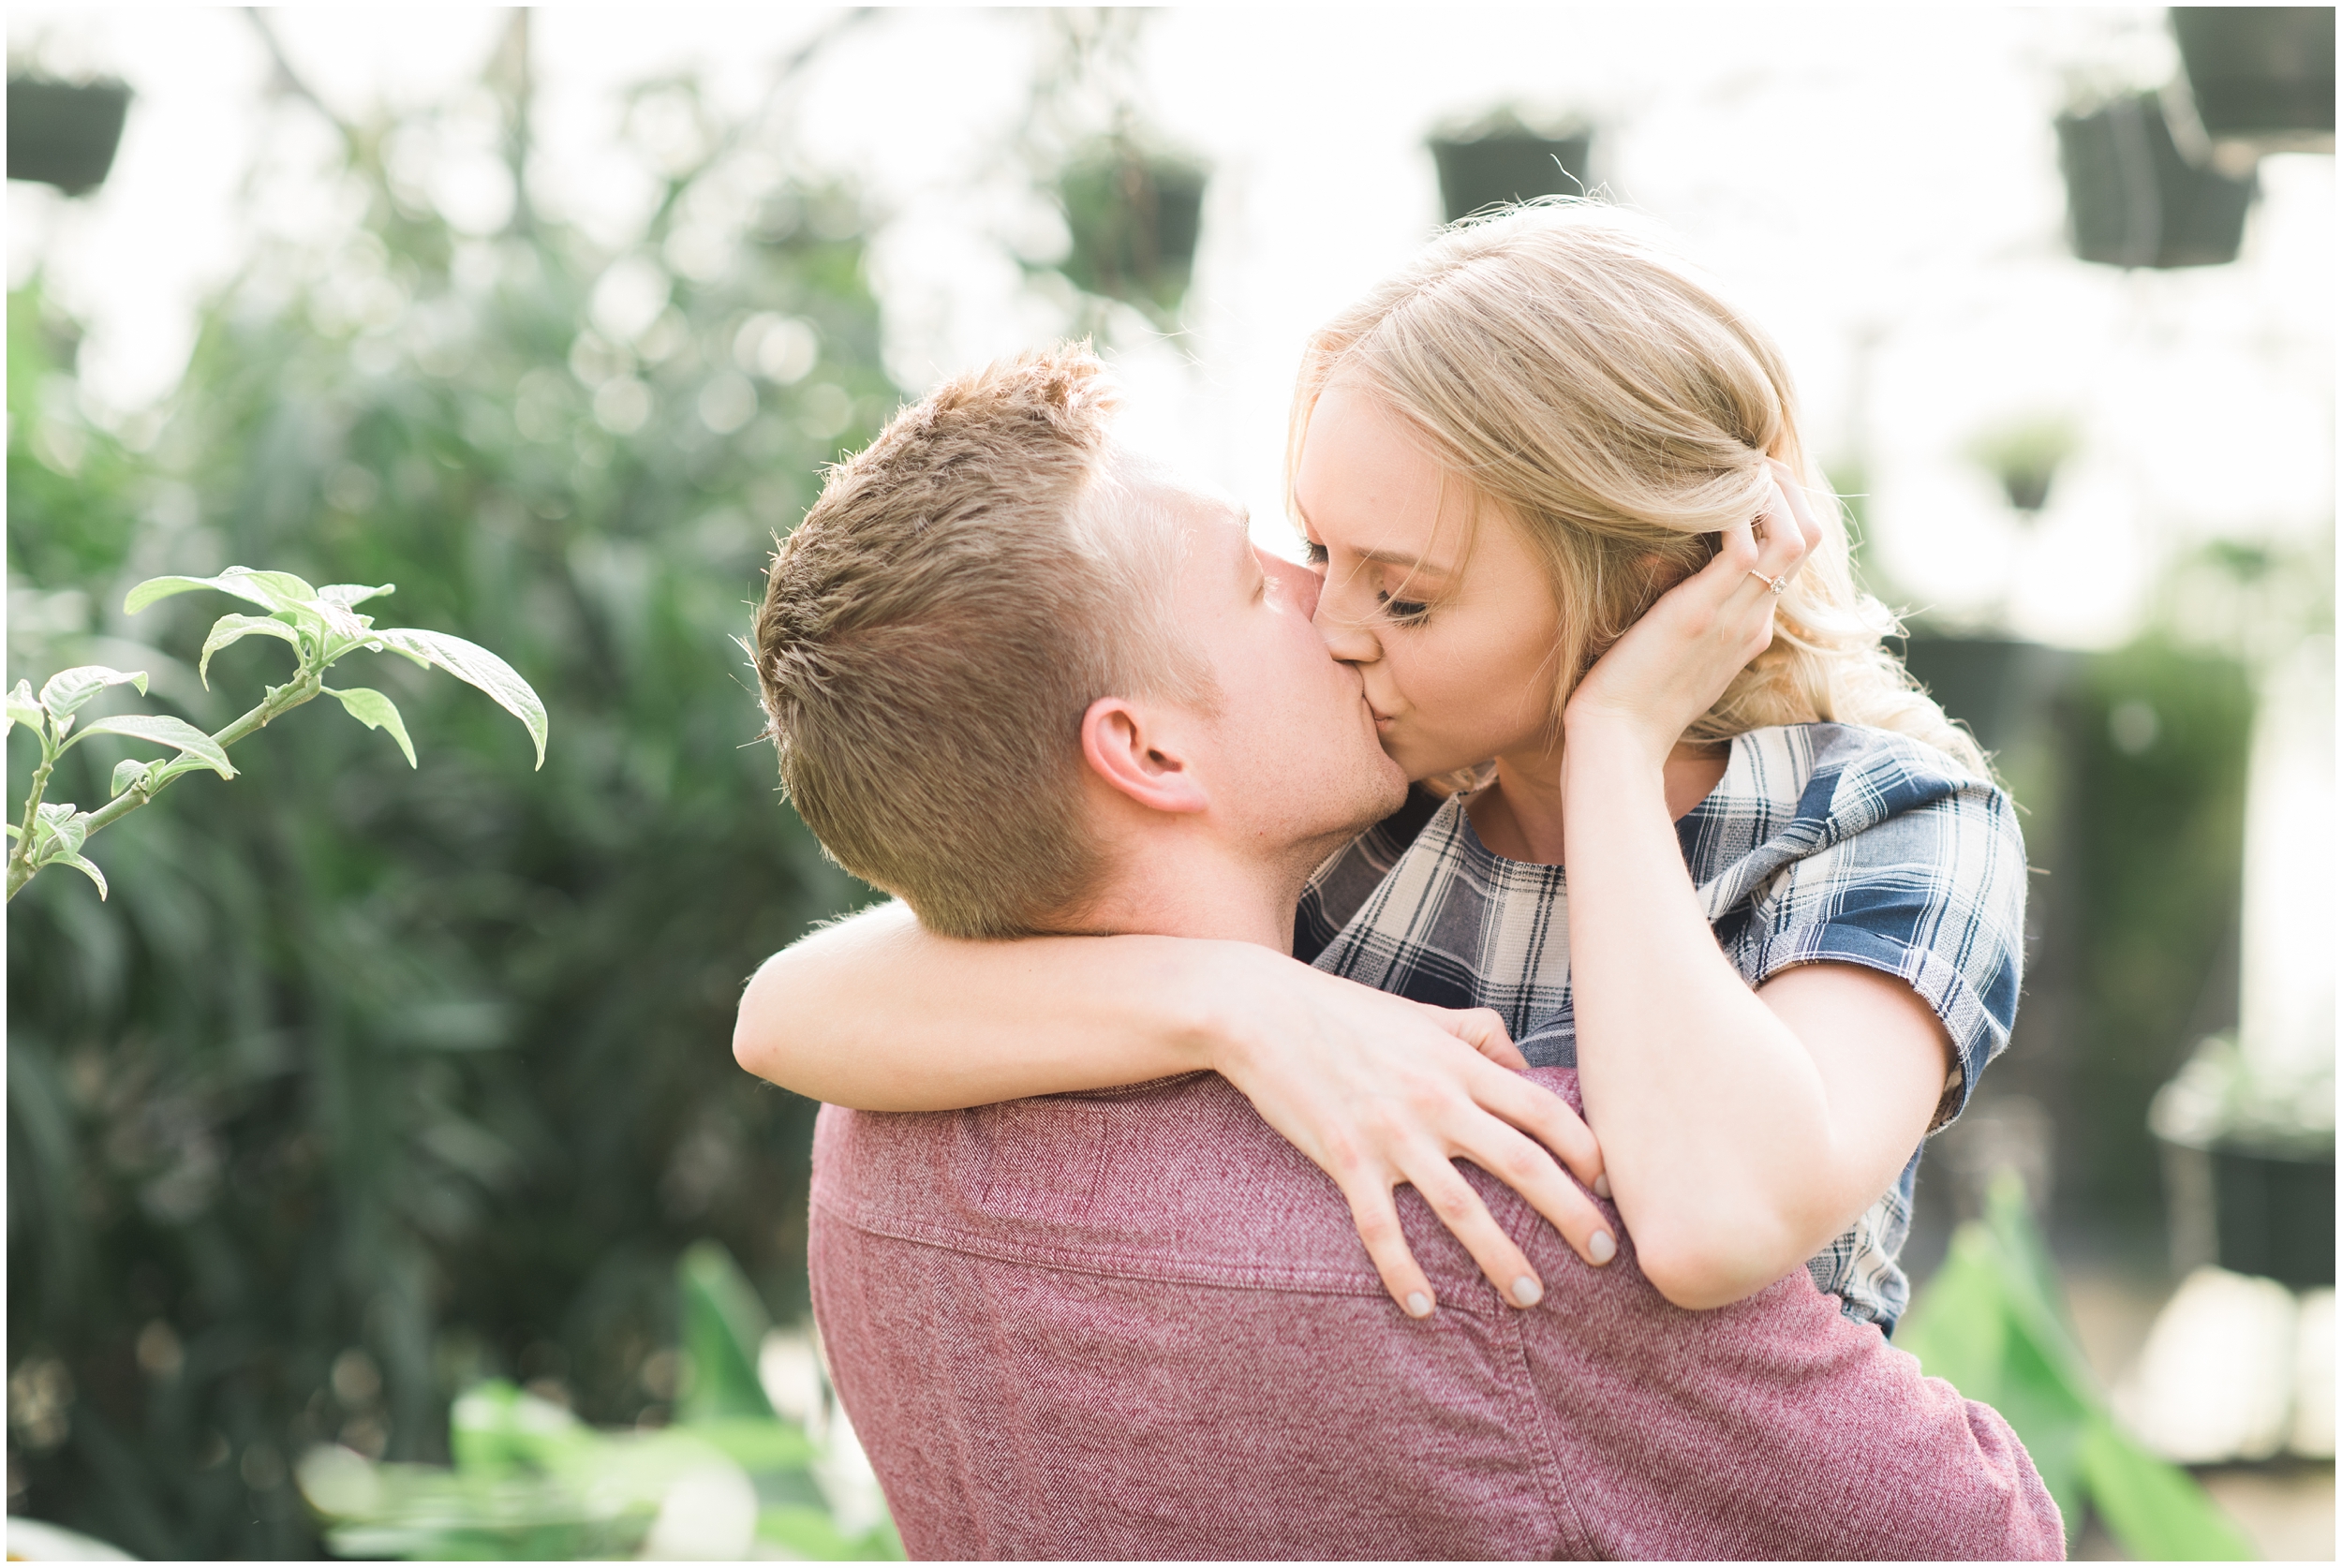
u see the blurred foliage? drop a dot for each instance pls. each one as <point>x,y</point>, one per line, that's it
<point>530,1481</point>
<point>370,1084</point>
<point>2158,735</point>
<point>1992,1323</point>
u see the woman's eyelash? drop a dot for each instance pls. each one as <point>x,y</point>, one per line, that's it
<point>1411,611</point>
<point>1312,552</point>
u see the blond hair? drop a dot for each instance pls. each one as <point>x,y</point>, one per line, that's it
<point>1585,384</point>
<point>934,631</point>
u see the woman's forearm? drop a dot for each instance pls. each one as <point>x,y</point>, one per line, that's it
<point>1716,1120</point>
<point>880,1014</point>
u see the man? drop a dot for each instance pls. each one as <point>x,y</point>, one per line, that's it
<point>1137,1323</point>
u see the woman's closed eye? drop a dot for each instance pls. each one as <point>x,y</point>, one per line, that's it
<point>1312,553</point>
<point>1406,612</point>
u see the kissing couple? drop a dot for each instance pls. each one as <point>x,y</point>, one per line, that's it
<point>1419,1053</point>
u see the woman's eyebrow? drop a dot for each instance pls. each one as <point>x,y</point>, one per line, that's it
<point>1382,557</point>
<point>1400,559</point>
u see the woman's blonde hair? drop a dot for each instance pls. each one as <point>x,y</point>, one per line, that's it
<point>1564,363</point>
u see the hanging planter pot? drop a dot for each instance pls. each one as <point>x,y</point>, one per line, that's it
<point>2133,198</point>
<point>2273,1214</point>
<point>1499,159</point>
<point>2025,457</point>
<point>2262,74</point>
<point>2250,1160</point>
<point>1135,217</point>
<point>63,134</point>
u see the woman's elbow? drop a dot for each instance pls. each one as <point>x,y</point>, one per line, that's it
<point>758,1044</point>
<point>1701,1268</point>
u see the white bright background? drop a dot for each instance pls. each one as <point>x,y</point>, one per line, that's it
<point>1879,185</point>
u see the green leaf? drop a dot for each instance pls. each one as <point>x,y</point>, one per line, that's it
<point>25,708</point>
<point>67,690</point>
<point>352,593</point>
<point>1977,1326</point>
<point>471,663</point>
<point>377,712</point>
<point>723,1328</point>
<point>84,868</point>
<point>813,1535</point>
<point>757,1444</point>
<point>128,772</point>
<point>275,590</point>
<point>495,1428</point>
<point>58,822</point>
<point>235,628</point>
<point>165,730</point>
<point>2155,1511</point>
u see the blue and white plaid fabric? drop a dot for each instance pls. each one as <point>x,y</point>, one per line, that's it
<point>1824,843</point>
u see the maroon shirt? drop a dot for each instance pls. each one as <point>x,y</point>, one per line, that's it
<point>1137,1323</point>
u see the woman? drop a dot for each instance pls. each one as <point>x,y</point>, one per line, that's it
<point>1556,491</point>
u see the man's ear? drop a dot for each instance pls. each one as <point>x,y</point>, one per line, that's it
<point>1133,751</point>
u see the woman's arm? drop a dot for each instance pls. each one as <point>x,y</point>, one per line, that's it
<point>880,1014</point>
<point>1743,1129</point>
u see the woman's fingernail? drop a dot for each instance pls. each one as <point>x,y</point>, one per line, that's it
<point>1602,1185</point>
<point>1527,1291</point>
<point>1600,1248</point>
<point>1418,1304</point>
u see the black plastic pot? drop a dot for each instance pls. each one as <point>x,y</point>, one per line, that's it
<point>1134,221</point>
<point>64,134</point>
<point>2136,202</point>
<point>2260,72</point>
<point>1507,166</point>
<point>2027,488</point>
<point>2274,1215</point>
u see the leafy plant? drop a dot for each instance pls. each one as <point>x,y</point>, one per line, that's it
<point>322,625</point>
<point>372,1083</point>
<point>532,1481</point>
<point>1991,1323</point>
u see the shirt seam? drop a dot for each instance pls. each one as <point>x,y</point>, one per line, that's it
<point>1158,1271</point>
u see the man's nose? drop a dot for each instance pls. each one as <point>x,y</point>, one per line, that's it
<point>1298,583</point>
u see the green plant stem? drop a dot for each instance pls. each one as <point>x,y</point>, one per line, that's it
<point>278,700</point>
<point>21,865</point>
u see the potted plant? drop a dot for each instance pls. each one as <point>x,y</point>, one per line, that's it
<point>2025,456</point>
<point>2266,1137</point>
<point>1500,158</point>
<point>2262,74</point>
<point>2135,201</point>
<point>1135,215</point>
<point>63,134</point>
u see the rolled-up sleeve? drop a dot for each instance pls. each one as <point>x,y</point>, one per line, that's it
<point>1921,874</point>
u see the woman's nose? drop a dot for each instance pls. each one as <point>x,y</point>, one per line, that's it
<point>1345,636</point>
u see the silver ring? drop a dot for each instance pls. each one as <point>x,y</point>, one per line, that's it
<point>1777,586</point>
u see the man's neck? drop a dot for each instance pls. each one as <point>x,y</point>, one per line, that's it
<point>1176,885</point>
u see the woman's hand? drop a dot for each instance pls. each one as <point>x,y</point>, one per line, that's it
<point>1672,664</point>
<point>1376,1089</point>
<point>1379,1091</point>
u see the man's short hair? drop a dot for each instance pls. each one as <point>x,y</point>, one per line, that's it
<point>934,631</point>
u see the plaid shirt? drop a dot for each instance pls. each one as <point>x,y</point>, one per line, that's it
<point>1824,843</point>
